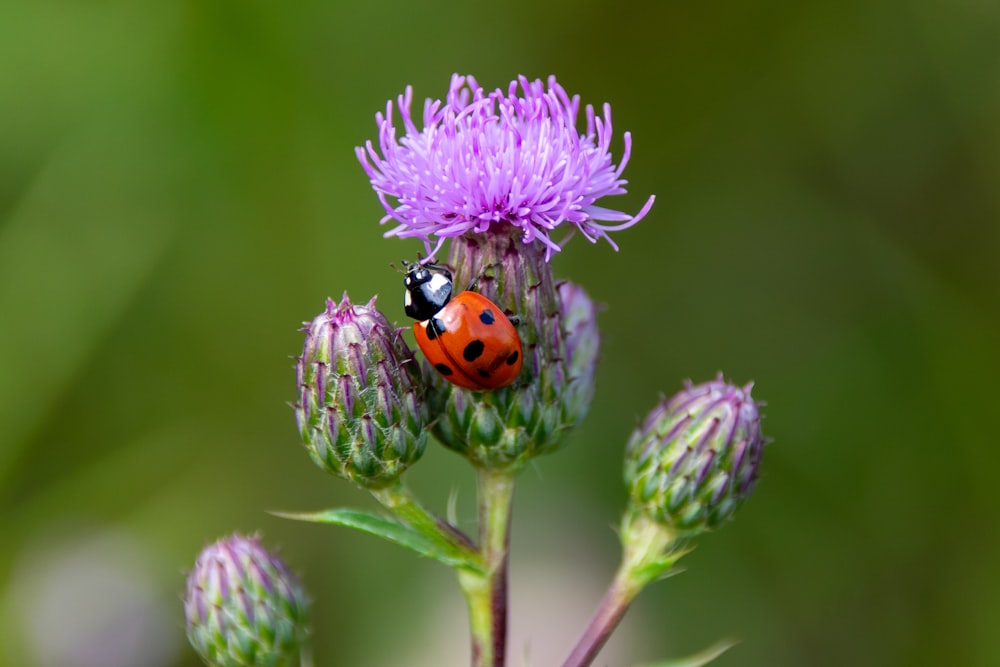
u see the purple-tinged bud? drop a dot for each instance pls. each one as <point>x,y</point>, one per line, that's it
<point>558,330</point>
<point>582,340</point>
<point>244,607</point>
<point>361,410</point>
<point>695,458</point>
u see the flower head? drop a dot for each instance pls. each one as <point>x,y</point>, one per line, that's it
<point>558,329</point>
<point>244,606</point>
<point>360,411</point>
<point>695,458</point>
<point>487,159</point>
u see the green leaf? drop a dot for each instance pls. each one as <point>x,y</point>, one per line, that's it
<point>388,529</point>
<point>699,659</point>
<point>662,568</point>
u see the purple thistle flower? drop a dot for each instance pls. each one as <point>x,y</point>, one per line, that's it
<point>487,159</point>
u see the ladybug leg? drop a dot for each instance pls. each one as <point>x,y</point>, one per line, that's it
<point>439,267</point>
<point>474,285</point>
<point>435,328</point>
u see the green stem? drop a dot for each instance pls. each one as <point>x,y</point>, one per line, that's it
<point>486,594</point>
<point>647,554</point>
<point>398,499</point>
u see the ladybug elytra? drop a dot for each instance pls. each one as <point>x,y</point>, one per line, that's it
<point>466,337</point>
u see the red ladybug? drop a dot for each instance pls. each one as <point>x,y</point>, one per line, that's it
<point>467,338</point>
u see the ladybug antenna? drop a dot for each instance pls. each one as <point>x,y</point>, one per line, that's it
<point>408,266</point>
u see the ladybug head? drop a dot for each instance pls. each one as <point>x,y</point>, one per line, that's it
<point>428,289</point>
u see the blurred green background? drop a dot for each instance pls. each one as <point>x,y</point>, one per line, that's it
<point>178,192</point>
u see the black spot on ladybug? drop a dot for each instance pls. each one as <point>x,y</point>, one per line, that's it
<point>443,369</point>
<point>512,359</point>
<point>473,350</point>
<point>482,373</point>
<point>487,317</point>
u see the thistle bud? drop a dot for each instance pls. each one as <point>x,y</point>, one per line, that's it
<point>558,330</point>
<point>244,607</point>
<point>694,459</point>
<point>361,410</point>
<point>579,326</point>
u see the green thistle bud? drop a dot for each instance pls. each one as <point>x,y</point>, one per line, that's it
<point>244,607</point>
<point>558,330</point>
<point>361,410</point>
<point>695,458</point>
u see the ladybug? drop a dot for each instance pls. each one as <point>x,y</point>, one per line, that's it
<point>467,338</point>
